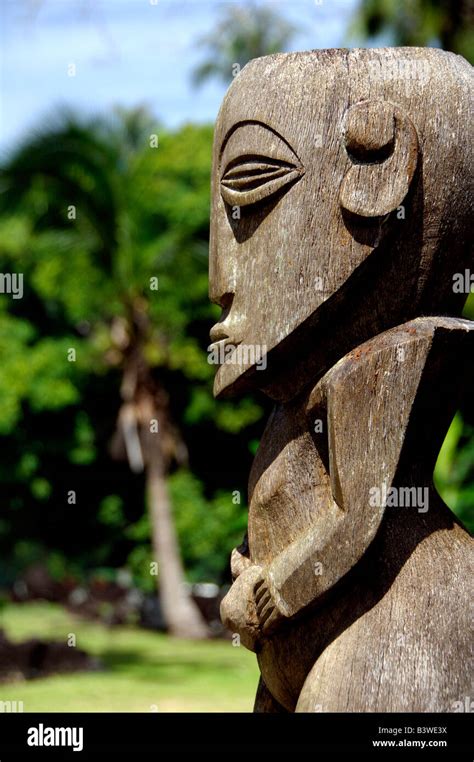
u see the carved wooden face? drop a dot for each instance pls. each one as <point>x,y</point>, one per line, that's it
<point>309,161</point>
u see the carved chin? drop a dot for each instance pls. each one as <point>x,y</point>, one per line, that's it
<point>229,377</point>
<point>225,379</point>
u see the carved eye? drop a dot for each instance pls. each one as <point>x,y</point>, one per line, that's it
<point>251,178</point>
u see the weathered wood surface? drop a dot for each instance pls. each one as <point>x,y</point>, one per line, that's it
<point>340,216</point>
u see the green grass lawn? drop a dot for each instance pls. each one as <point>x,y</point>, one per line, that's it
<point>143,671</point>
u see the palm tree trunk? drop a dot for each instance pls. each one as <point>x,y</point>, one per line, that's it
<point>181,614</point>
<point>143,402</point>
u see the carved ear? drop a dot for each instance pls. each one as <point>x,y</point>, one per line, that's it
<point>383,146</point>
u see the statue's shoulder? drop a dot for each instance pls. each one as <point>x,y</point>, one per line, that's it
<point>435,345</point>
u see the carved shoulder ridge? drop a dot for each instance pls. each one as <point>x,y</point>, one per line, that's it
<point>420,331</point>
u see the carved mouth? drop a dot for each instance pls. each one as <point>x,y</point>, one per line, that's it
<point>221,340</point>
<point>221,333</point>
<point>218,333</point>
<point>222,344</point>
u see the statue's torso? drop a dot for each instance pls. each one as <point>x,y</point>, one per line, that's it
<point>289,484</point>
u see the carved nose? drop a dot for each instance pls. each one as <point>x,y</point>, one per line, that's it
<point>224,301</point>
<point>221,285</point>
<point>222,269</point>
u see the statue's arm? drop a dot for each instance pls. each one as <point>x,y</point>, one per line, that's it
<point>368,397</point>
<point>371,398</point>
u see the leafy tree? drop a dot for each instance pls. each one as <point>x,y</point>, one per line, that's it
<point>242,33</point>
<point>108,223</point>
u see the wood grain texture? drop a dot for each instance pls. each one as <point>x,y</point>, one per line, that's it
<point>341,211</point>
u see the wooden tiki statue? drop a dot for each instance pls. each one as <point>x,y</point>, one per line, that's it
<point>340,227</point>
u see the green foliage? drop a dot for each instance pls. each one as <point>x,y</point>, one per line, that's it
<point>469,307</point>
<point>34,371</point>
<point>84,451</point>
<point>206,528</point>
<point>454,474</point>
<point>111,511</point>
<point>207,531</point>
<point>418,22</point>
<point>92,213</point>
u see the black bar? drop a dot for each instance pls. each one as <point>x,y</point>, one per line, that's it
<point>149,734</point>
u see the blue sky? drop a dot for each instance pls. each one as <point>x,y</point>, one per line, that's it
<point>126,52</point>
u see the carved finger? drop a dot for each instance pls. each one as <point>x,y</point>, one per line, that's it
<point>263,602</point>
<point>266,612</point>
<point>262,593</point>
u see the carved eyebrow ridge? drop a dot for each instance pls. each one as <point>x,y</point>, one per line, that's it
<point>257,123</point>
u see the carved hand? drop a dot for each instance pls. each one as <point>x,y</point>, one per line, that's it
<point>239,559</point>
<point>268,614</point>
<point>238,611</point>
<point>249,609</point>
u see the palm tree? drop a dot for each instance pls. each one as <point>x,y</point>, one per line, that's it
<point>92,169</point>
<point>242,33</point>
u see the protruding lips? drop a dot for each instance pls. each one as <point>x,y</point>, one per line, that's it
<point>220,335</point>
